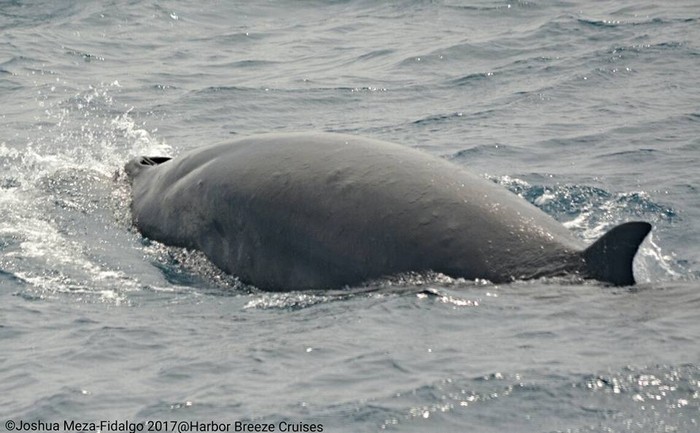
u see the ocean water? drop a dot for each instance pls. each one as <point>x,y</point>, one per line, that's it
<point>590,110</point>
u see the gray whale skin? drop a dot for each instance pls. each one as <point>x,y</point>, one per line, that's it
<point>324,210</point>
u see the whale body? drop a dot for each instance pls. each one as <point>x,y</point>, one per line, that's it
<point>324,210</point>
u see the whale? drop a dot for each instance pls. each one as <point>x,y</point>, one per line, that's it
<point>315,211</point>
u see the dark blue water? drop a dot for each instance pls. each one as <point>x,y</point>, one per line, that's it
<point>590,110</point>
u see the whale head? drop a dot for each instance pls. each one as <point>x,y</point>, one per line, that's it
<point>139,164</point>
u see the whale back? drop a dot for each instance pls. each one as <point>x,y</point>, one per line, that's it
<point>315,211</point>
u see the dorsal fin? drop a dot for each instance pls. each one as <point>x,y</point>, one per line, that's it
<point>610,258</point>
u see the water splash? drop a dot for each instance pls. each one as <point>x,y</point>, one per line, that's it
<point>62,210</point>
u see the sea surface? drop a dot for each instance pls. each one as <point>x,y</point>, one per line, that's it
<point>590,110</point>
